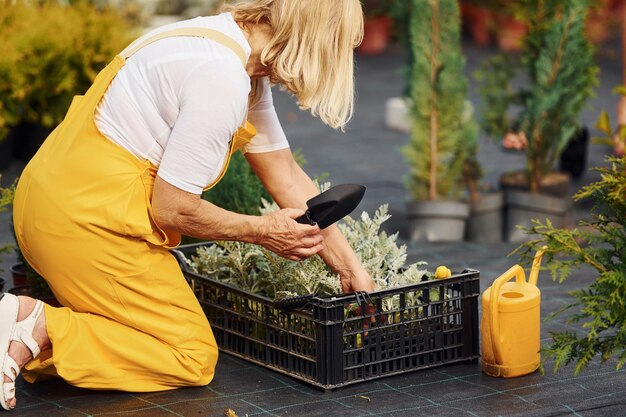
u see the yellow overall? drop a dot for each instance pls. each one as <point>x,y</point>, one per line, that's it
<point>83,220</point>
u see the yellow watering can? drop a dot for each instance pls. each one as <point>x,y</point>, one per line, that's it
<point>510,323</point>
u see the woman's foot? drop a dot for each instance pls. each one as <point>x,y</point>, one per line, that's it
<point>18,351</point>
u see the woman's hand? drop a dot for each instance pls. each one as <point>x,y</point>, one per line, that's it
<point>284,236</point>
<point>356,280</point>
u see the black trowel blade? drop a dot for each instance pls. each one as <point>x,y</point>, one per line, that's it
<point>333,204</point>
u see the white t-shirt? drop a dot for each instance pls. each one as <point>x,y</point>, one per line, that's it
<point>178,101</point>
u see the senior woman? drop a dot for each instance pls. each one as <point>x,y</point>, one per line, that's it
<point>117,183</point>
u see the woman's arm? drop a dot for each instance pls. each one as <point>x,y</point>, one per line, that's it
<point>188,214</point>
<point>290,186</point>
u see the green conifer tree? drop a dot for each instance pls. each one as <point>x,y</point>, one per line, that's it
<point>560,75</point>
<point>437,149</point>
<point>600,245</point>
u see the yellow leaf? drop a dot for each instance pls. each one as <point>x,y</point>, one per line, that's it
<point>230,413</point>
<point>602,141</point>
<point>603,124</point>
<point>620,90</point>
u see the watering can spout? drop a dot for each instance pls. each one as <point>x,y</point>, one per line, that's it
<point>534,271</point>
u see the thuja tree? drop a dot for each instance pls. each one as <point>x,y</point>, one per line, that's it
<point>560,74</point>
<point>437,149</point>
<point>600,309</point>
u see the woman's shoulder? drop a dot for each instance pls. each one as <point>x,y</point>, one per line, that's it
<point>223,22</point>
<point>196,47</point>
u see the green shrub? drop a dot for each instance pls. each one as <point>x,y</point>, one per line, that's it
<point>240,190</point>
<point>55,53</point>
<point>13,20</point>
<point>599,311</point>
<point>255,269</point>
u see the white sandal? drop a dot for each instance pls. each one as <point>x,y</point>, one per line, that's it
<point>11,330</point>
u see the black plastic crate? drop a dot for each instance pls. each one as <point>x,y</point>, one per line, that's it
<point>336,341</point>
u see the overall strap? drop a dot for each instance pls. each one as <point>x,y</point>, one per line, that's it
<point>212,34</point>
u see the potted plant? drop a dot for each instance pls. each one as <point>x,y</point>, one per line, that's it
<point>36,287</point>
<point>377,27</point>
<point>397,114</point>
<point>511,29</point>
<point>57,51</point>
<point>597,312</point>
<point>603,19</point>
<point>18,269</point>
<point>437,151</point>
<point>478,20</point>
<point>560,74</point>
<point>33,285</point>
<point>6,200</point>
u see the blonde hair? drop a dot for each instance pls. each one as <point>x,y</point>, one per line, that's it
<point>311,51</point>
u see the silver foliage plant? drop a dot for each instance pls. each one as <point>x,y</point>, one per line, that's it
<point>255,269</point>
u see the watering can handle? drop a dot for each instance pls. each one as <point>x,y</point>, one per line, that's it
<point>517,272</point>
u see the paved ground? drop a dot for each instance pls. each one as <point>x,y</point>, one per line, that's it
<point>369,154</point>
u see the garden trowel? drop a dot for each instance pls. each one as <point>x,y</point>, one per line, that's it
<point>332,205</point>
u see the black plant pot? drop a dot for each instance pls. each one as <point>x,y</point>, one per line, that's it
<point>574,156</point>
<point>28,139</point>
<point>18,271</point>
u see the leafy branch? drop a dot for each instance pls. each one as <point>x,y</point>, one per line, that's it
<point>600,309</point>
<point>260,271</point>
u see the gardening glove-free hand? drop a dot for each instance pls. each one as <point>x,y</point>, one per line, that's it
<point>284,236</point>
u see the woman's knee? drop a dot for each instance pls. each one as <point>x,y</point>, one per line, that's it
<point>199,357</point>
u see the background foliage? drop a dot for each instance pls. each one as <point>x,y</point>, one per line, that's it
<point>52,52</point>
